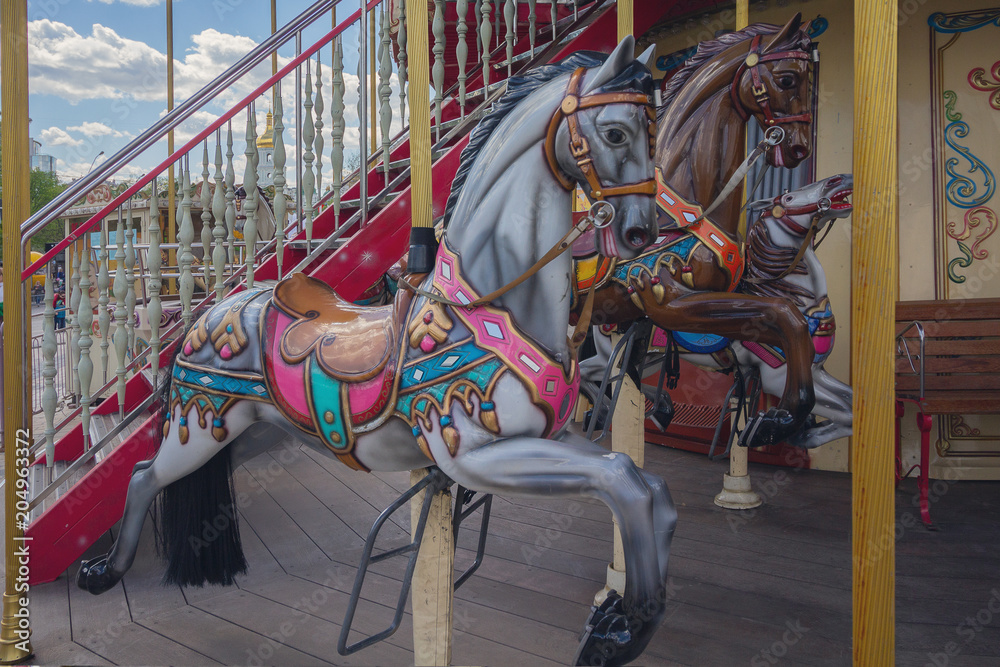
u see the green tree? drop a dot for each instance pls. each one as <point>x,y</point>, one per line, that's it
<point>45,187</point>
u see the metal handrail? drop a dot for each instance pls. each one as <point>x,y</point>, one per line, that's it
<point>902,349</point>
<point>38,221</point>
<point>174,118</point>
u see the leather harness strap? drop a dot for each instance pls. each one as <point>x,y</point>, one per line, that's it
<point>580,147</point>
<point>753,63</point>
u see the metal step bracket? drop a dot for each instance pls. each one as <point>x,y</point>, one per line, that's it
<point>463,497</point>
<point>433,482</point>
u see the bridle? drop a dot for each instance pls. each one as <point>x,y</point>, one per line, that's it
<point>580,147</point>
<point>783,215</point>
<point>753,62</point>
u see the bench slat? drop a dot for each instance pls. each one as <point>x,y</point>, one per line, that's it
<point>963,364</point>
<point>955,309</point>
<point>960,402</point>
<point>911,383</point>
<point>954,328</point>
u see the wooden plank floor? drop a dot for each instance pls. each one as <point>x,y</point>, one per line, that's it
<point>763,587</point>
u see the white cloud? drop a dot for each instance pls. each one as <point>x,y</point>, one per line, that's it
<point>93,129</point>
<point>56,136</point>
<point>137,3</point>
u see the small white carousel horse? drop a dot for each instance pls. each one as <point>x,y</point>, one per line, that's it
<point>483,391</point>
<point>775,269</point>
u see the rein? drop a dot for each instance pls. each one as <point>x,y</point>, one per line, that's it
<point>600,216</point>
<point>781,214</point>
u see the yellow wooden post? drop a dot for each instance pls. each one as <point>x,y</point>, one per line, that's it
<point>422,243</point>
<point>874,285</point>
<point>433,594</point>
<point>737,492</point>
<point>626,23</point>
<point>15,628</point>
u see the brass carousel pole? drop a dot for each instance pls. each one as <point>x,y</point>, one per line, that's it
<point>737,492</point>
<point>15,627</point>
<point>423,246</point>
<point>874,268</point>
<point>171,201</point>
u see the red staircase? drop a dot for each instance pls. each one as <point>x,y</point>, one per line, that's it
<point>96,502</point>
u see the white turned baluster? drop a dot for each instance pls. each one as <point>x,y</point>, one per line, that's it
<point>403,72</point>
<point>185,238</point>
<point>498,12</point>
<point>49,397</point>
<point>154,310</point>
<point>477,14</point>
<point>318,108</point>
<point>531,25</point>
<point>337,109</point>
<point>121,291</point>
<point>437,71</point>
<point>219,230</point>
<point>280,203</point>
<point>462,51</point>
<point>103,298</point>
<point>130,280</point>
<point>250,187</point>
<point>86,367</point>
<point>508,20</point>
<point>308,180</point>
<point>206,222</point>
<point>384,92</point>
<point>485,32</point>
<point>230,200</point>
<point>74,334</point>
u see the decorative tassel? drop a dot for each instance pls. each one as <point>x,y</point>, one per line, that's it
<point>687,276</point>
<point>182,432</point>
<point>219,431</point>
<point>422,442</point>
<point>658,290</point>
<point>166,429</point>
<point>488,417</point>
<point>450,435</point>
<point>451,438</point>
<point>634,296</point>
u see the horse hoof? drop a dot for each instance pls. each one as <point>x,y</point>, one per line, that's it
<point>606,639</point>
<point>769,428</point>
<point>95,576</point>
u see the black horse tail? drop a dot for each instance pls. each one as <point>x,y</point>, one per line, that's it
<point>197,521</point>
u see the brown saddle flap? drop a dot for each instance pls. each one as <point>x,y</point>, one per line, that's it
<point>352,343</point>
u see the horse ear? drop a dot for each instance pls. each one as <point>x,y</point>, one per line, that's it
<point>620,58</point>
<point>792,27</point>
<point>647,57</point>
<point>760,204</point>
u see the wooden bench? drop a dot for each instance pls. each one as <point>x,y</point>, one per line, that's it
<point>947,362</point>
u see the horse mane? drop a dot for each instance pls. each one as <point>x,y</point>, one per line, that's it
<point>712,48</point>
<point>518,88</point>
<point>765,262</point>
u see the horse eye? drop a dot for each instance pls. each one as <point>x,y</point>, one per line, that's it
<point>786,81</point>
<point>615,137</point>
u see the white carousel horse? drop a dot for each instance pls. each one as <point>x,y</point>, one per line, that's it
<point>482,391</point>
<point>773,243</point>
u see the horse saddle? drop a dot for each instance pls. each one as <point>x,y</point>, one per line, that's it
<point>352,343</point>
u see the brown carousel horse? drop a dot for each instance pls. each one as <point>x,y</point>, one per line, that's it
<point>684,282</point>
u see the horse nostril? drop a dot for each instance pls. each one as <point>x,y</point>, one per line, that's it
<point>636,238</point>
<point>800,152</point>
<point>834,182</point>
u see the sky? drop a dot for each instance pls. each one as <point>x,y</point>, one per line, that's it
<point>97,74</point>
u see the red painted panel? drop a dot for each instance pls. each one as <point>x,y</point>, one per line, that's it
<point>89,509</point>
<point>354,267</point>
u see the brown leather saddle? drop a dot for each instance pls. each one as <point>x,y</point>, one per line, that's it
<point>352,343</point>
